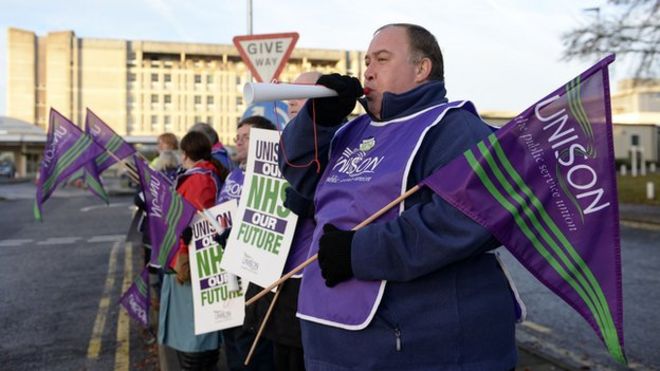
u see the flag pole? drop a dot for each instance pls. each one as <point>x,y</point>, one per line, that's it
<point>309,261</point>
<point>136,178</point>
<point>263,325</point>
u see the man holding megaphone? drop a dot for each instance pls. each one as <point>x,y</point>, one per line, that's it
<point>416,289</point>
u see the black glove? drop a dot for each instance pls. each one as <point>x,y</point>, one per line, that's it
<point>186,235</point>
<point>332,111</point>
<point>300,206</point>
<point>221,238</point>
<point>335,255</point>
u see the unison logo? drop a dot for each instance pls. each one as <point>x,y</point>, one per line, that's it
<point>355,162</point>
<point>574,151</point>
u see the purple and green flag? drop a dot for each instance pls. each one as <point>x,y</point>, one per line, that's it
<point>544,185</point>
<point>92,179</point>
<point>136,298</point>
<point>116,148</point>
<point>168,213</point>
<point>67,150</point>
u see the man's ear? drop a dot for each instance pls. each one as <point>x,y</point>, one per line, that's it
<point>423,70</point>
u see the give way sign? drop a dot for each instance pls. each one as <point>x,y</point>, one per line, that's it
<point>266,54</point>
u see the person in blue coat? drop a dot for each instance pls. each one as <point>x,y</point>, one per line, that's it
<point>419,288</point>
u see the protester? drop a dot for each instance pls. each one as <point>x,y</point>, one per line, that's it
<point>218,151</point>
<point>165,142</point>
<point>239,339</point>
<point>199,185</point>
<point>417,289</point>
<point>167,163</point>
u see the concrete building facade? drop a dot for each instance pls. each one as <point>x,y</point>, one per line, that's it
<point>141,88</point>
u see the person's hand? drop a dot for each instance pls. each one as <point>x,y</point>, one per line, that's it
<point>221,239</point>
<point>335,255</point>
<point>182,268</point>
<point>186,235</point>
<point>332,111</point>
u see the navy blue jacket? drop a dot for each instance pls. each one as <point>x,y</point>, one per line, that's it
<point>447,304</point>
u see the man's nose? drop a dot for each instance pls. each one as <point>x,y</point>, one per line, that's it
<point>368,74</point>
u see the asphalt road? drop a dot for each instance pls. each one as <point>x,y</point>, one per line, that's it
<point>59,285</point>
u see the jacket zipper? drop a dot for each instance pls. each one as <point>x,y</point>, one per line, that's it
<point>397,333</point>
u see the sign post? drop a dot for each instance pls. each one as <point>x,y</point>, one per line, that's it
<point>266,54</point>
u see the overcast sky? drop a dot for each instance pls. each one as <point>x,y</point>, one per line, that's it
<point>501,54</point>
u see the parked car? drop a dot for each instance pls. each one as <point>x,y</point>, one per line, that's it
<point>7,169</point>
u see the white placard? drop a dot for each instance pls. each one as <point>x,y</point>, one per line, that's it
<point>263,229</point>
<point>218,301</point>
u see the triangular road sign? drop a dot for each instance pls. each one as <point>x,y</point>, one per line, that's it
<point>266,54</point>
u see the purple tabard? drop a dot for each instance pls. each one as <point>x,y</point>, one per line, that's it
<point>368,168</point>
<point>233,186</point>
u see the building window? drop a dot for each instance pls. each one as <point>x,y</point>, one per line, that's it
<point>198,119</point>
<point>132,77</point>
<point>239,101</point>
<point>209,79</point>
<point>168,122</point>
<point>154,77</point>
<point>198,79</point>
<point>154,122</point>
<point>238,80</point>
<point>209,100</point>
<point>634,140</point>
<point>167,77</point>
<point>209,120</point>
<point>154,98</point>
<point>198,99</point>
<point>167,99</point>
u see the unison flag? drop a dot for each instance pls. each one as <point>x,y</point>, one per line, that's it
<point>544,185</point>
<point>103,135</point>
<point>67,150</point>
<point>136,298</point>
<point>168,213</point>
<point>92,180</point>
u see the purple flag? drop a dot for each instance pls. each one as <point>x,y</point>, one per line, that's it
<point>104,136</point>
<point>136,298</point>
<point>67,150</point>
<point>544,186</point>
<point>92,180</point>
<point>168,214</point>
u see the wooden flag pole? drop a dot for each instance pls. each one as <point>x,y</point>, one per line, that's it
<point>262,326</point>
<point>309,261</point>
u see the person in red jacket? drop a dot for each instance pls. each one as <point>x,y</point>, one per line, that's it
<point>200,185</point>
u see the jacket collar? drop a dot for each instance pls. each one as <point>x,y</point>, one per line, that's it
<point>399,105</point>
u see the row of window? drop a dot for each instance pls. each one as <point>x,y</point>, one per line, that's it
<point>132,77</point>
<point>167,99</point>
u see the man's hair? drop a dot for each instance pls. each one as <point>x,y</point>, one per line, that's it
<point>422,45</point>
<point>207,130</point>
<point>257,122</point>
<point>170,140</point>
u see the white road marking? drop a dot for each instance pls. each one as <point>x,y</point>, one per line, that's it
<point>59,241</point>
<point>17,242</point>
<point>94,207</point>
<point>107,238</point>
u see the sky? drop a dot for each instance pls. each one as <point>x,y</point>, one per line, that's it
<point>503,55</point>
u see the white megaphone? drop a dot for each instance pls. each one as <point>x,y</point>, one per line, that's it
<point>254,92</point>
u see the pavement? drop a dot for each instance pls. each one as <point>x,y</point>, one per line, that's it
<point>534,354</point>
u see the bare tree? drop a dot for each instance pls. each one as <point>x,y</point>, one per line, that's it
<point>629,28</point>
